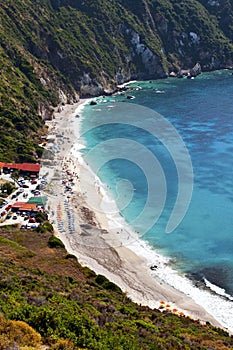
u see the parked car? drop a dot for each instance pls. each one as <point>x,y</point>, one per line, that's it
<point>8,216</point>
<point>14,217</point>
<point>32,220</point>
<point>23,227</point>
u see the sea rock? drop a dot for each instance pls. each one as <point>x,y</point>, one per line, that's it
<point>180,74</point>
<point>108,92</point>
<point>93,103</point>
<point>172,75</point>
<point>196,70</point>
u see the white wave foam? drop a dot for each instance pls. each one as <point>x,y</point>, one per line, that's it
<point>220,308</point>
<point>80,108</point>
<point>217,289</point>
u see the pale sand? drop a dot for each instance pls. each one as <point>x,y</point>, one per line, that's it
<point>90,235</point>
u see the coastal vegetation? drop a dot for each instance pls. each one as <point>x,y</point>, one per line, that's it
<point>6,188</point>
<point>48,298</point>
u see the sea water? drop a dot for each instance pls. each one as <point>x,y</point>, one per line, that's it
<point>201,111</point>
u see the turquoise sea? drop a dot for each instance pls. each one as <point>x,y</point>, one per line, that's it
<point>129,157</point>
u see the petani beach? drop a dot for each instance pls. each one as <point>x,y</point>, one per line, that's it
<point>116,191</point>
<point>84,212</point>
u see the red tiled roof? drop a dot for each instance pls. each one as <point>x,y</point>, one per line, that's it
<point>28,207</point>
<point>24,166</point>
<point>30,167</point>
<point>23,206</point>
<point>18,205</point>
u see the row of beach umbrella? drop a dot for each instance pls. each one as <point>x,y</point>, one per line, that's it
<point>61,227</point>
<point>70,217</point>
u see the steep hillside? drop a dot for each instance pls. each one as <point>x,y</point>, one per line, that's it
<point>54,50</point>
<point>67,307</point>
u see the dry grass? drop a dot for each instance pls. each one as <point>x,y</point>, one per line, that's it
<point>37,254</point>
<point>18,332</point>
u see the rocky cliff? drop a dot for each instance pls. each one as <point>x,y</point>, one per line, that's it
<point>56,50</point>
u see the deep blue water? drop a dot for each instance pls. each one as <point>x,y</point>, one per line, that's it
<point>201,110</point>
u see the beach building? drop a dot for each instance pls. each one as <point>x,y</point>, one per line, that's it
<point>29,169</point>
<point>39,201</point>
<point>24,207</point>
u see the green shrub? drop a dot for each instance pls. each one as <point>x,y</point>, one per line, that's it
<point>46,227</point>
<point>55,242</point>
<point>7,188</point>
<point>100,279</point>
<point>71,256</point>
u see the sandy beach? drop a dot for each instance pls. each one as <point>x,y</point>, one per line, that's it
<point>102,244</point>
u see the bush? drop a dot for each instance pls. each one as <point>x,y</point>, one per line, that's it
<point>63,344</point>
<point>17,334</point>
<point>55,242</point>
<point>46,227</point>
<point>71,256</point>
<point>88,272</point>
<point>41,217</point>
<point>100,279</point>
<point>112,286</point>
<point>105,283</point>
<point>7,188</point>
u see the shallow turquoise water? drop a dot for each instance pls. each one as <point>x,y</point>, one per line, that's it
<point>201,110</point>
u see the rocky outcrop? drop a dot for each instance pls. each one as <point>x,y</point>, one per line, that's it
<point>196,70</point>
<point>45,111</point>
<point>150,63</point>
<point>89,86</point>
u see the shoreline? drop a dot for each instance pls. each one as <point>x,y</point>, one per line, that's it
<point>92,237</point>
